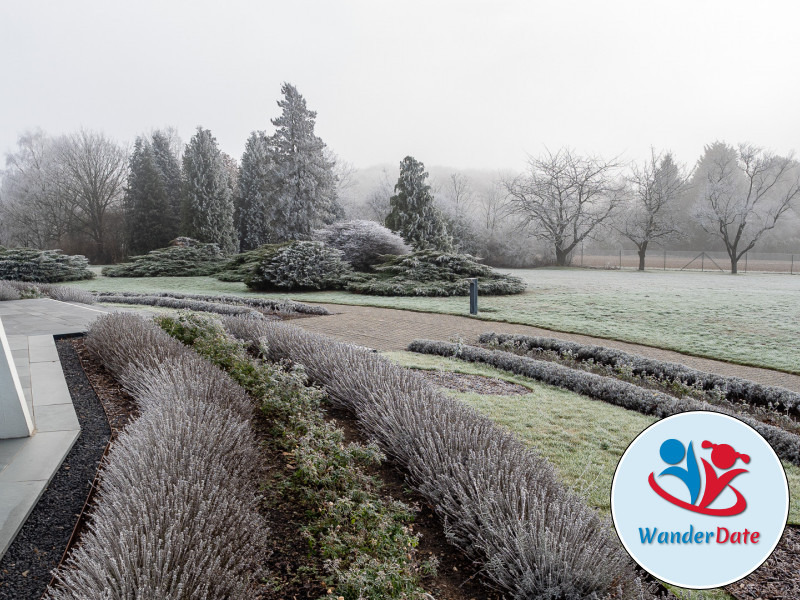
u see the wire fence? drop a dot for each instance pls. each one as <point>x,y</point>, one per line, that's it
<point>688,260</point>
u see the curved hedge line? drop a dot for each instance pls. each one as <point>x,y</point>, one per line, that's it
<point>607,389</point>
<point>734,388</point>
<point>504,504</point>
<point>176,515</point>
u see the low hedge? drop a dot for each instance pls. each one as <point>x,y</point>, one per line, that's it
<point>184,257</point>
<point>177,508</point>
<point>734,388</point>
<point>607,389</point>
<point>278,307</point>
<point>433,273</point>
<point>42,266</point>
<point>22,290</point>
<point>503,504</point>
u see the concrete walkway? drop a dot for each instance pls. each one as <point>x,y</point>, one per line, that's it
<point>390,329</point>
<point>28,464</point>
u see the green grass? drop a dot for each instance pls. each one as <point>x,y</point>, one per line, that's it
<point>583,438</point>
<point>748,318</point>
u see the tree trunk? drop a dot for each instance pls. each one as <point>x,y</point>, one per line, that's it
<point>561,257</point>
<point>734,265</point>
<point>642,252</point>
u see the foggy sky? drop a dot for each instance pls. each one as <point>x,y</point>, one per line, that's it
<point>461,83</point>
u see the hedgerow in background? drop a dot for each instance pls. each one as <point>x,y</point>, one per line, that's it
<point>300,265</point>
<point>432,273</point>
<point>364,243</point>
<point>208,203</point>
<point>364,541</point>
<point>413,214</point>
<point>42,266</point>
<point>184,257</point>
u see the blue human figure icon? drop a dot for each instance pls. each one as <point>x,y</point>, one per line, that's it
<point>672,452</point>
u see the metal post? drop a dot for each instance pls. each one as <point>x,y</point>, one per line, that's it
<point>581,253</point>
<point>791,268</point>
<point>620,258</point>
<point>745,262</point>
<point>473,296</point>
<point>703,262</point>
<point>665,259</point>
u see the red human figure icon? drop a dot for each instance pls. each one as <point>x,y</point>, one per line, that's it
<point>724,457</point>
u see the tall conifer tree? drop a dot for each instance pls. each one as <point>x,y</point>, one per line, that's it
<point>254,214</point>
<point>146,202</point>
<point>172,180</point>
<point>413,214</point>
<point>208,203</point>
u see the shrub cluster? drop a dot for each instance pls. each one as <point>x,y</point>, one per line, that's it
<point>607,389</point>
<point>433,273</point>
<point>364,540</point>
<point>176,515</point>
<point>503,504</point>
<point>197,305</point>
<point>42,266</point>
<point>184,257</point>
<point>299,265</point>
<point>363,243</point>
<point>21,290</point>
<point>734,388</point>
<point>243,265</point>
<point>278,307</point>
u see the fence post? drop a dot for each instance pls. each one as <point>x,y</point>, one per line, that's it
<point>473,296</point>
<point>620,258</point>
<point>791,268</point>
<point>581,253</point>
<point>745,262</point>
<point>702,262</point>
<point>665,259</point>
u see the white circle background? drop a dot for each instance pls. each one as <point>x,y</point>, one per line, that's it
<point>635,505</point>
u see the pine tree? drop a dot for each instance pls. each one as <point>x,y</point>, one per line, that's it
<point>207,202</point>
<point>413,214</point>
<point>170,170</point>
<point>254,219</point>
<point>146,202</point>
<point>301,187</point>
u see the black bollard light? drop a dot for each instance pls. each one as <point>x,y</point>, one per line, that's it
<point>473,296</point>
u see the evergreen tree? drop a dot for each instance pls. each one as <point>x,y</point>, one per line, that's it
<point>254,217</point>
<point>413,214</point>
<point>146,202</point>
<point>170,170</point>
<point>208,202</point>
<point>301,187</point>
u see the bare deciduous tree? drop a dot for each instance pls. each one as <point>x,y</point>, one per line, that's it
<point>93,170</point>
<point>564,198</point>
<point>492,206</point>
<point>655,185</point>
<point>743,193</point>
<point>378,199</point>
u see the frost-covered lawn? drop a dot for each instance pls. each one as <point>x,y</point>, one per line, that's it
<point>583,438</point>
<point>751,318</point>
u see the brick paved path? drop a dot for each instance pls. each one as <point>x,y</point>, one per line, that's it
<point>390,329</point>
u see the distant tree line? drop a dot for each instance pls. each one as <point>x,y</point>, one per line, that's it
<point>87,194</point>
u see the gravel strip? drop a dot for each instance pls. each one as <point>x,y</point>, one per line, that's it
<point>25,570</point>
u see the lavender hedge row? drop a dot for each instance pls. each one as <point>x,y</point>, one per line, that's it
<point>282,307</point>
<point>735,388</point>
<point>503,504</point>
<point>607,389</point>
<point>176,513</point>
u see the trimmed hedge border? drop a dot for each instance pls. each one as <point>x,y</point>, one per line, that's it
<point>607,389</point>
<point>735,388</point>
<point>177,510</point>
<point>280,307</point>
<point>503,504</point>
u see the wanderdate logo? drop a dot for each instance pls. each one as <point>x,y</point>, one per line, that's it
<point>699,499</point>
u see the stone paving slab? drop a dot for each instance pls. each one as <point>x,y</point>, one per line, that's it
<point>391,329</point>
<point>28,464</point>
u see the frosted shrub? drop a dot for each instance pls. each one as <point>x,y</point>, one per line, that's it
<point>607,389</point>
<point>20,290</point>
<point>364,243</point>
<point>8,292</point>
<point>184,257</point>
<point>176,515</point>
<point>42,266</point>
<point>280,307</point>
<point>503,504</point>
<point>300,266</point>
<point>734,388</point>
<point>433,273</point>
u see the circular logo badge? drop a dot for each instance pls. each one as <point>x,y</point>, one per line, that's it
<point>699,500</point>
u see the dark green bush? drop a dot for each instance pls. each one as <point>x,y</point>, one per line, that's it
<point>432,273</point>
<point>243,265</point>
<point>42,266</point>
<point>184,257</point>
<point>300,265</point>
